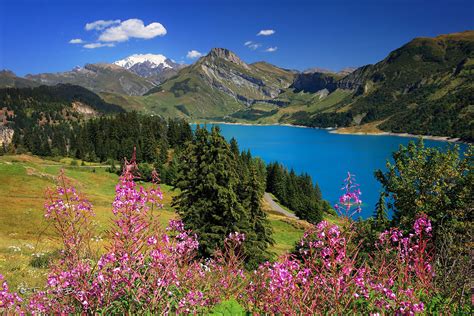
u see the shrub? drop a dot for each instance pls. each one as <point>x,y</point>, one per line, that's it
<point>43,260</point>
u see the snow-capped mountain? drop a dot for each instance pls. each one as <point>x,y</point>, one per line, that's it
<point>153,60</point>
<point>155,67</point>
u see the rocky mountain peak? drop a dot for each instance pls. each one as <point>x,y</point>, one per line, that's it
<point>150,60</point>
<point>7,73</point>
<point>155,67</point>
<point>226,54</point>
<point>101,66</point>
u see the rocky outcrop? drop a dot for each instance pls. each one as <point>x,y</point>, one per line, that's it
<point>226,54</point>
<point>314,82</point>
<point>6,135</point>
<point>356,79</point>
<point>226,72</point>
<point>84,109</point>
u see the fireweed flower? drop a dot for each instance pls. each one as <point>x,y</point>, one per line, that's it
<point>144,266</point>
<point>325,275</point>
<point>349,202</point>
<point>9,302</point>
<point>147,269</point>
<point>422,225</point>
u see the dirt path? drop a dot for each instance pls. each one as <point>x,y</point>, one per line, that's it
<point>277,208</point>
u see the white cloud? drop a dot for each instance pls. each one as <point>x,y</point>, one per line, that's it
<point>266,32</point>
<point>271,49</point>
<point>76,41</point>
<point>100,24</point>
<point>192,54</point>
<point>252,45</point>
<point>132,28</point>
<point>98,45</point>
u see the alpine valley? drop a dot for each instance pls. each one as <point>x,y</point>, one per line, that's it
<point>425,87</point>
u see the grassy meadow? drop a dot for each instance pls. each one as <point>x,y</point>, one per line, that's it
<point>24,232</point>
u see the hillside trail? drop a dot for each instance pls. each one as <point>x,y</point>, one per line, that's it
<point>276,207</point>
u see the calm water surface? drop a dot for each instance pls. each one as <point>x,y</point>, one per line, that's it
<point>326,157</point>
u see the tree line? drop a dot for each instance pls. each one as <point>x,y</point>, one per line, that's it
<point>104,138</point>
<point>297,192</point>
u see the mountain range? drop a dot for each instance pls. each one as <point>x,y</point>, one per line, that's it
<point>424,87</point>
<point>155,67</point>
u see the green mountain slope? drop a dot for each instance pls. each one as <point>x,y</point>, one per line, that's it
<point>424,87</point>
<point>46,108</point>
<point>9,80</point>
<point>217,85</point>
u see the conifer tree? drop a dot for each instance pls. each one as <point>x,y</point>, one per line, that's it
<point>380,216</point>
<point>258,218</point>
<point>209,202</point>
<point>234,147</point>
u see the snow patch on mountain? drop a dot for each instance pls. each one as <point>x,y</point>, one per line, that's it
<point>153,61</point>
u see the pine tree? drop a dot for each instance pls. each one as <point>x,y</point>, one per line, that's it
<point>380,216</point>
<point>234,147</point>
<point>260,225</point>
<point>209,203</point>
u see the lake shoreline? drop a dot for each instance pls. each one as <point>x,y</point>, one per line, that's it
<point>252,124</point>
<point>430,137</point>
<point>333,130</point>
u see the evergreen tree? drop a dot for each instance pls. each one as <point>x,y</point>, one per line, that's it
<point>234,147</point>
<point>381,221</point>
<point>296,192</point>
<point>208,203</point>
<point>260,225</point>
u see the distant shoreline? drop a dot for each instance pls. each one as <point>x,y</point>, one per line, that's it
<point>333,130</point>
<point>429,137</point>
<point>252,124</point>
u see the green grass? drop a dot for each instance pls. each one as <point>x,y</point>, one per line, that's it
<point>285,234</point>
<point>23,182</point>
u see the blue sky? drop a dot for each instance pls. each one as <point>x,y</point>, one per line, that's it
<point>35,34</point>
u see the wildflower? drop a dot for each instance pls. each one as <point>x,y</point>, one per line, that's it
<point>422,224</point>
<point>152,240</point>
<point>350,202</point>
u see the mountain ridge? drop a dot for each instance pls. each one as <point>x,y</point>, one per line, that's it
<point>218,84</point>
<point>99,77</point>
<point>424,87</point>
<point>154,67</point>
<point>427,82</point>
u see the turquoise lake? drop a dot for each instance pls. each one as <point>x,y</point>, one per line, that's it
<point>326,157</point>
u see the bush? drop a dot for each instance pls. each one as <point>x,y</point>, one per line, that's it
<point>44,260</point>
